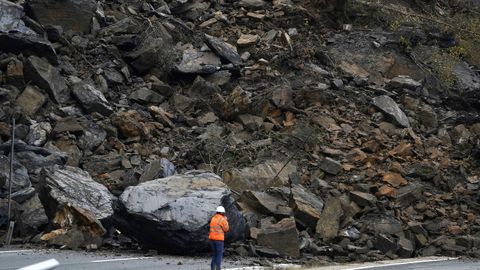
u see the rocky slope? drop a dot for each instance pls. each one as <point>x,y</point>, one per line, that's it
<point>327,144</point>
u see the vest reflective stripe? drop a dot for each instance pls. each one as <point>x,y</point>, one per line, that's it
<point>218,227</point>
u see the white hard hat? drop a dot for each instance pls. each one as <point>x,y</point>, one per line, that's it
<point>220,209</point>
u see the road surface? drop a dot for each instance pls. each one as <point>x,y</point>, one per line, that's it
<point>76,260</point>
<point>79,260</point>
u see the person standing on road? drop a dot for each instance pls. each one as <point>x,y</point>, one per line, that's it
<point>218,228</point>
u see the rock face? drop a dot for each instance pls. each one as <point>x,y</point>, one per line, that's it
<point>73,15</point>
<point>387,105</point>
<point>48,78</point>
<point>70,185</point>
<point>172,214</point>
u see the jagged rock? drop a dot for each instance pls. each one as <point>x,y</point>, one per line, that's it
<point>102,163</point>
<point>251,122</point>
<point>73,15</point>
<point>195,62</point>
<point>266,204</point>
<point>157,169</point>
<point>281,237</point>
<point>92,136</point>
<point>21,180</point>
<point>282,97</point>
<point>48,78</point>
<point>151,52</point>
<point>91,99</point>
<point>73,186</point>
<point>382,223</point>
<point>362,198</point>
<point>307,207</point>
<point>253,4</point>
<point>247,40</point>
<point>404,82</point>
<point>224,50</point>
<point>28,45</point>
<point>405,248</point>
<point>422,171</point>
<point>4,211</point>
<point>260,177</point>
<point>128,123</point>
<point>172,214</point>
<point>144,95</point>
<point>11,18</point>
<point>466,79</point>
<point>385,243</point>
<point>387,105</point>
<point>329,222</point>
<point>31,100</point>
<point>77,227</point>
<point>70,148</point>
<point>38,133</point>
<point>330,166</point>
<point>32,217</point>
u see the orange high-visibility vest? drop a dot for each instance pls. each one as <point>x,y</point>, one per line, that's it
<point>218,227</point>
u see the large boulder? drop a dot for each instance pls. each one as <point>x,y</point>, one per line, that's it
<point>172,214</point>
<point>32,216</point>
<point>73,15</point>
<point>73,186</point>
<point>307,207</point>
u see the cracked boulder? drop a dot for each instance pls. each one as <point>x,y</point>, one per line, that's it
<point>73,186</point>
<point>172,214</point>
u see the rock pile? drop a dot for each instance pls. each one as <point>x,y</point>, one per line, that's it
<point>329,144</point>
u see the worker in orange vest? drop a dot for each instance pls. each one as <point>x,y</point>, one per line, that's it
<point>218,228</point>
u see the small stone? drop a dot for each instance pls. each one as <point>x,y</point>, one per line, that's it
<point>337,84</point>
<point>207,118</point>
<point>251,122</point>
<point>253,4</point>
<point>330,166</point>
<point>404,82</point>
<point>387,105</point>
<point>247,40</point>
<point>362,198</point>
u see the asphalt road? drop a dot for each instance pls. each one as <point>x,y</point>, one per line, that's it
<point>76,260</point>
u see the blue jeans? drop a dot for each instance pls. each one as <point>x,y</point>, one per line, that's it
<point>217,254</point>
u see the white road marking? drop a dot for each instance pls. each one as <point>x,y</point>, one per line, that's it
<point>122,259</point>
<point>16,251</point>
<point>382,264</point>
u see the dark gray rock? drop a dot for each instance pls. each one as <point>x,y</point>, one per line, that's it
<point>362,198</point>
<point>157,169</point>
<point>422,171</point>
<point>92,136</point>
<point>144,95</point>
<point>11,18</point>
<point>307,207</point>
<point>251,122</point>
<point>70,185</point>
<point>4,211</point>
<point>381,223</point>
<point>266,204</point>
<point>28,45</point>
<point>47,77</point>
<point>21,180</point>
<point>226,51</point>
<point>282,237</point>
<point>195,62</point>
<point>91,99</point>
<point>388,106</point>
<point>385,243</point>
<point>32,216</point>
<point>172,214</point>
<point>252,4</point>
<point>151,52</point>
<point>101,163</point>
<point>466,78</point>
<point>73,15</point>
<point>330,166</point>
<point>405,247</point>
